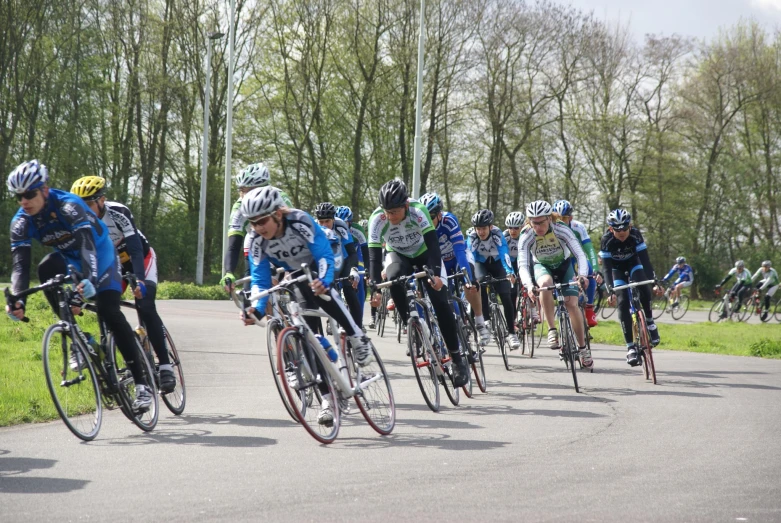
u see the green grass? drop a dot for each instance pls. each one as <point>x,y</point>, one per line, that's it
<point>24,397</point>
<point>173,290</point>
<point>738,339</point>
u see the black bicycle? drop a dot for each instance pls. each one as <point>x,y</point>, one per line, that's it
<point>99,378</point>
<point>496,315</point>
<point>467,332</point>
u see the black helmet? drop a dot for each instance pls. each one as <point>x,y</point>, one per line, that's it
<point>325,211</point>
<point>483,218</point>
<point>393,194</point>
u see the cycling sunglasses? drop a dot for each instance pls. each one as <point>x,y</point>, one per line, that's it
<point>263,220</point>
<point>29,195</point>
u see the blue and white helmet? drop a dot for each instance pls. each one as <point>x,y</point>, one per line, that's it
<point>261,201</point>
<point>27,177</point>
<point>433,203</point>
<point>514,219</point>
<point>619,219</point>
<point>255,175</point>
<point>344,213</point>
<point>562,207</point>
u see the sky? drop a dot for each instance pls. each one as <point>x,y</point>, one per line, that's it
<point>696,18</point>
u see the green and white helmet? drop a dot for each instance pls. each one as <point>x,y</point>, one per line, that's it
<point>255,175</point>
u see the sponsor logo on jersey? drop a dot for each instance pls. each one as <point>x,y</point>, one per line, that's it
<point>303,230</point>
<point>69,208</point>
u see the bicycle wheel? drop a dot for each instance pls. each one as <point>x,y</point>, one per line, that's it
<point>299,379</point>
<point>466,348</point>
<point>500,333</point>
<point>75,393</point>
<point>586,337</point>
<point>683,305</point>
<point>273,328</point>
<point>777,311</point>
<point>176,399</point>
<point>567,340</point>
<point>658,305</point>
<point>608,311</point>
<point>478,367</point>
<point>446,379</point>
<point>715,311</point>
<point>145,420</point>
<point>422,355</point>
<point>376,398</point>
<point>647,352</point>
<point>381,323</point>
<point>743,314</point>
<point>599,299</point>
<point>397,322</point>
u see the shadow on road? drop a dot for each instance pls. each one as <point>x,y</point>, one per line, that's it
<point>227,419</point>
<point>202,438</point>
<point>11,481</point>
<point>428,441</point>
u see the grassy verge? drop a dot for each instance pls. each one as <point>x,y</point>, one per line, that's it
<point>173,290</point>
<point>738,339</point>
<point>24,397</point>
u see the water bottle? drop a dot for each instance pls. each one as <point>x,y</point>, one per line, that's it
<point>332,354</point>
<point>92,344</point>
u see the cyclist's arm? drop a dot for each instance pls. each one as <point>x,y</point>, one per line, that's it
<point>459,246</point>
<point>352,256</point>
<point>727,277</point>
<point>607,269</point>
<point>504,255</point>
<point>76,220</point>
<point>322,253</point>
<point>669,274</point>
<point>646,261</point>
<point>261,280</point>
<point>525,243</point>
<point>588,248</point>
<point>433,252</point>
<point>757,275</point>
<point>375,264</point>
<point>21,254</point>
<point>365,255</point>
<point>566,234</point>
<point>235,232</point>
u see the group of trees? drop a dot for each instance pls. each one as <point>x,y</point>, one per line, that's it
<point>522,100</point>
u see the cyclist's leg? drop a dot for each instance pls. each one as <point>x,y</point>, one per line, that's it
<point>361,293</point>
<point>351,297</point>
<point>623,307</point>
<point>565,273</point>
<point>503,289</point>
<point>480,271</point>
<point>514,288</point>
<point>397,265</point>
<point>544,278</point>
<point>148,309</point>
<point>769,295</point>
<point>638,274</point>
<point>50,266</point>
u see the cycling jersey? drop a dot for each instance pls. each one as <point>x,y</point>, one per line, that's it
<point>302,242</point>
<point>629,255</point>
<point>768,279</point>
<point>550,250</point>
<point>581,233</point>
<point>743,278</point>
<point>336,247</point>
<point>131,244</point>
<point>684,275</point>
<point>343,231</point>
<point>452,244</point>
<point>512,244</point>
<point>66,224</point>
<point>493,248</point>
<point>406,237</point>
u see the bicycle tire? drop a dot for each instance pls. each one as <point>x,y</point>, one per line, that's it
<point>382,313</point>
<point>608,311</point>
<point>478,367</point>
<point>600,298</point>
<point>647,353</point>
<point>746,310</point>
<point>500,333</point>
<point>658,306</point>
<point>683,305</point>
<point>570,348</point>
<point>75,394</point>
<point>397,321</point>
<point>144,420</point>
<point>715,311</point>
<point>292,359</point>
<point>376,401</point>
<point>421,354</point>
<point>777,311</point>
<point>177,398</point>
<point>463,342</point>
<point>529,328</point>
<point>586,338</point>
<point>446,380</point>
<point>273,328</point>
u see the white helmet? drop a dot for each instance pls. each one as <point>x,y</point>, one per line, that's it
<point>28,176</point>
<point>261,201</point>
<point>538,208</point>
<point>514,219</point>
<point>255,175</point>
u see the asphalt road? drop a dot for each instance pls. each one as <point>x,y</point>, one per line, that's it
<point>699,446</point>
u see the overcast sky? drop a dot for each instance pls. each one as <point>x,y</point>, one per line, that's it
<point>697,18</point>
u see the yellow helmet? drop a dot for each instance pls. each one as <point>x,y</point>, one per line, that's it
<point>89,187</point>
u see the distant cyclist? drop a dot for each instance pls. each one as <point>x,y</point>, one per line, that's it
<point>684,280</point>
<point>345,214</point>
<point>61,220</point>
<point>452,245</point>
<point>255,175</point>
<point>138,258</point>
<point>768,282</point>
<point>492,258</point>
<point>514,223</point>
<point>564,208</point>
<point>742,284</point>
<point>623,250</point>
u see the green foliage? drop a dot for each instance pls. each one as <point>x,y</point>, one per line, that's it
<point>171,290</point>
<point>766,348</point>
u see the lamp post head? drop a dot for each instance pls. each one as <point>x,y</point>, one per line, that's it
<point>216,35</point>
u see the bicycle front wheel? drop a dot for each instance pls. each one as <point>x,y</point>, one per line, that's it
<point>299,379</point>
<point>715,311</point>
<point>658,305</point>
<point>75,393</point>
<point>500,332</point>
<point>478,367</point>
<point>746,310</point>
<point>569,346</point>
<point>146,419</point>
<point>683,305</point>
<point>530,329</point>
<point>273,328</point>
<point>375,401</point>
<point>777,311</point>
<point>422,363</point>
<point>176,399</point>
<point>647,351</point>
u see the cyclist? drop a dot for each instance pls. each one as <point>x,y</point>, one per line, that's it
<point>564,208</point>
<point>411,242</point>
<point>623,249</point>
<point>685,278</point>
<point>325,213</point>
<point>515,222</point>
<point>492,258</point>
<point>768,283</point>
<point>61,220</point>
<point>547,244</point>
<point>255,175</point>
<point>138,258</point>
<point>742,284</point>
<point>345,214</point>
<point>288,238</point>
<point>453,249</point>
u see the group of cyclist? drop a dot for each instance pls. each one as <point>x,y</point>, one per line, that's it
<point>97,242</point>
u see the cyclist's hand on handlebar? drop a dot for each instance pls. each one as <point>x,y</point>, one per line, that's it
<point>611,300</point>
<point>250,315</point>
<point>227,282</point>
<point>436,283</point>
<point>140,291</point>
<point>598,278</point>
<point>512,279</point>
<point>86,289</point>
<point>17,313</point>
<point>583,282</point>
<point>317,287</point>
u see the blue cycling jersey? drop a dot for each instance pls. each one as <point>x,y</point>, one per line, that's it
<point>494,247</point>
<point>685,274</point>
<point>302,241</point>
<point>61,224</point>
<point>452,244</point>
<point>343,231</point>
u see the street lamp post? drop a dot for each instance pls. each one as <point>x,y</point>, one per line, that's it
<point>419,103</point>
<point>205,158</point>
<point>226,203</point>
